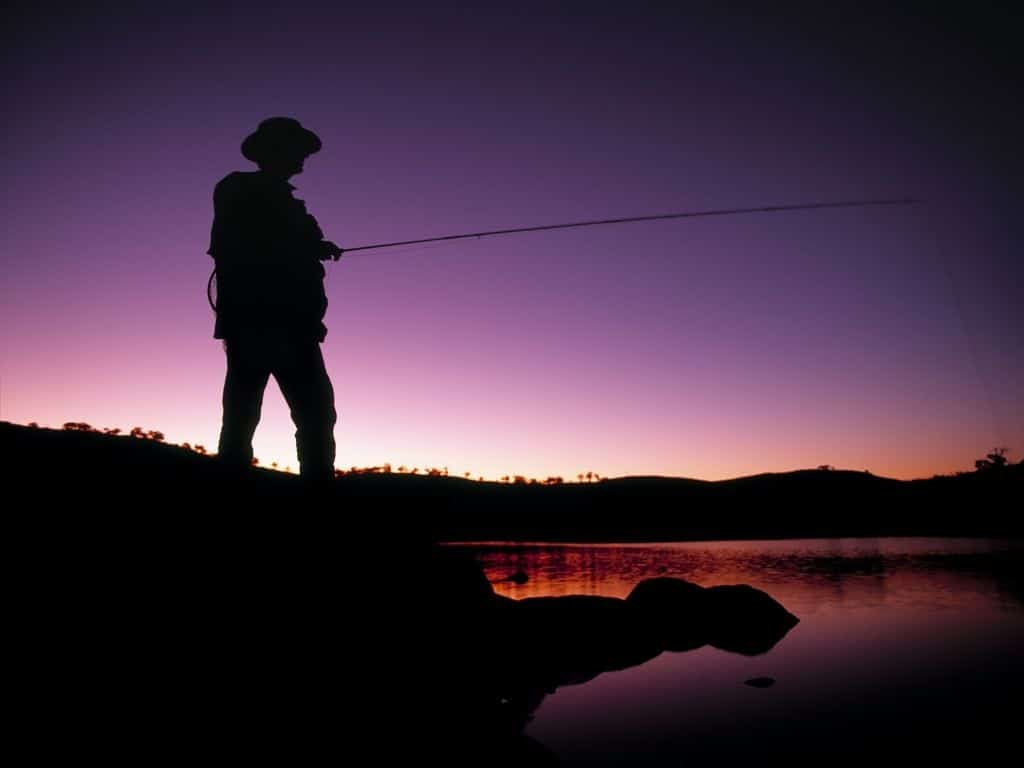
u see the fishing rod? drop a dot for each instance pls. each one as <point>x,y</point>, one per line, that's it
<point>599,222</point>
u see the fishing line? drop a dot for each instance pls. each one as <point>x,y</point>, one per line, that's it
<point>630,219</point>
<point>600,222</point>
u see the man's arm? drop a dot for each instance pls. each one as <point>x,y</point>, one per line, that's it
<point>330,250</point>
<point>307,230</point>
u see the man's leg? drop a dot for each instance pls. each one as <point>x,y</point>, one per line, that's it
<point>244,383</point>
<point>304,382</point>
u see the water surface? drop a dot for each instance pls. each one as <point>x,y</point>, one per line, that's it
<point>905,646</point>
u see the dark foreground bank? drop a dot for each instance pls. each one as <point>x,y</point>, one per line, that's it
<point>72,472</point>
<point>251,641</point>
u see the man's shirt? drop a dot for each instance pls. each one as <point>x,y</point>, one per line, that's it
<point>266,247</point>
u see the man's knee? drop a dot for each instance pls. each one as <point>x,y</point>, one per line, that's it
<point>330,415</point>
<point>315,421</point>
<point>318,412</point>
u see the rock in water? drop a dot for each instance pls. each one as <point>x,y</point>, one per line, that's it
<point>745,620</point>
<point>674,610</point>
<point>736,618</point>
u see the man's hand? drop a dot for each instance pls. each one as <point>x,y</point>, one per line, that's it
<point>329,250</point>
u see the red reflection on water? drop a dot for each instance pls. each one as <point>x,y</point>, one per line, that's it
<point>801,574</point>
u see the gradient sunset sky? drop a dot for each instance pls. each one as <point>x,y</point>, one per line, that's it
<point>888,339</point>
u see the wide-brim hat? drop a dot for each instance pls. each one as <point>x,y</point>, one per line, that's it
<point>277,134</point>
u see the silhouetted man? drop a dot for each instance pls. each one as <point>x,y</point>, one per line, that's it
<point>270,298</point>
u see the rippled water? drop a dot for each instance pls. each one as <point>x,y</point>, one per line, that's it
<point>912,647</point>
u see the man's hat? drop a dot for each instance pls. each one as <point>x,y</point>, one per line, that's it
<point>279,133</point>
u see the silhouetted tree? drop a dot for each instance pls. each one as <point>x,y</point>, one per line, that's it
<point>199,449</point>
<point>993,461</point>
<point>33,425</point>
<point>137,432</point>
<point>519,480</point>
<point>826,467</point>
<point>117,431</point>
<point>78,426</point>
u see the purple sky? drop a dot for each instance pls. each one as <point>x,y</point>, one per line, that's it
<point>887,339</point>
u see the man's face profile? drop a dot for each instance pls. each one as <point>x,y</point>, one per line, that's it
<point>284,163</point>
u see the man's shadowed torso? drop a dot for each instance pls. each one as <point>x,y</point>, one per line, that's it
<point>267,251</point>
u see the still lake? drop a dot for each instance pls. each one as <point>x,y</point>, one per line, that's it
<point>909,646</point>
